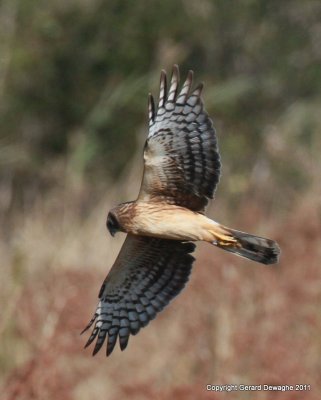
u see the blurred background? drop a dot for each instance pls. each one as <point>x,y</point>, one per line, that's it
<point>74,79</point>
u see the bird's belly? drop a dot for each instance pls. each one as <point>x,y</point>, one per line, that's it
<point>168,222</point>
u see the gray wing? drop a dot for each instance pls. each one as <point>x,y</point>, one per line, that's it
<point>182,162</point>
<point>146,275</point>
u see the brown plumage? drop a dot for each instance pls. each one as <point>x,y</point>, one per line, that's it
<point>181,172</point>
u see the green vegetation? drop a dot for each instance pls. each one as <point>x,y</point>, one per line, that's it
<point>75,77</point>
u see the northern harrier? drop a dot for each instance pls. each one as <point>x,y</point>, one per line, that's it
<point>181,172</point>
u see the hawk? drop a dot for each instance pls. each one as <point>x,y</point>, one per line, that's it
<point>181,172</point>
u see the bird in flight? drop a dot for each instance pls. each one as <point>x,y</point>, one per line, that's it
<point>181,172</point>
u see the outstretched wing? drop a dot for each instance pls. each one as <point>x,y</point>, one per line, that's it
<point>146,275</point>
<point>182,163</point>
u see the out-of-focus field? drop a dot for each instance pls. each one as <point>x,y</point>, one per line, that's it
<point>236,322</point>
<point>74,79</point>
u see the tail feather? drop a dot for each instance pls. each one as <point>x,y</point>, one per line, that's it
<point>262,250</point>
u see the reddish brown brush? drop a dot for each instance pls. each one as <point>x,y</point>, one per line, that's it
<point>235,323</point>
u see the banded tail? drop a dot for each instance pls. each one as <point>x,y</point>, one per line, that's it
<point>265,251</point>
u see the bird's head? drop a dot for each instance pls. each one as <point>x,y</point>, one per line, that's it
<point>112,223</point>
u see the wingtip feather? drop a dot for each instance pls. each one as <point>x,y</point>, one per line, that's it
<point>112,339</point>
<point>198,90</point>
<point>151,108</point>
<point>184,93</point>
<point>190,77</point>
<point>174,83</point>
<point>89,324</point>
<point>162,89</point>
<point>91,338</point>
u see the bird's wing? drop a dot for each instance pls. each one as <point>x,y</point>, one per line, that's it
<point>146,275</point>
<point>182,162</point>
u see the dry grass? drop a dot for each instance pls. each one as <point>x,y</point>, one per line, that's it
<point>236,322</point>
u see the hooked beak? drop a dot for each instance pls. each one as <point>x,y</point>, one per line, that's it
<point>112,231</point>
